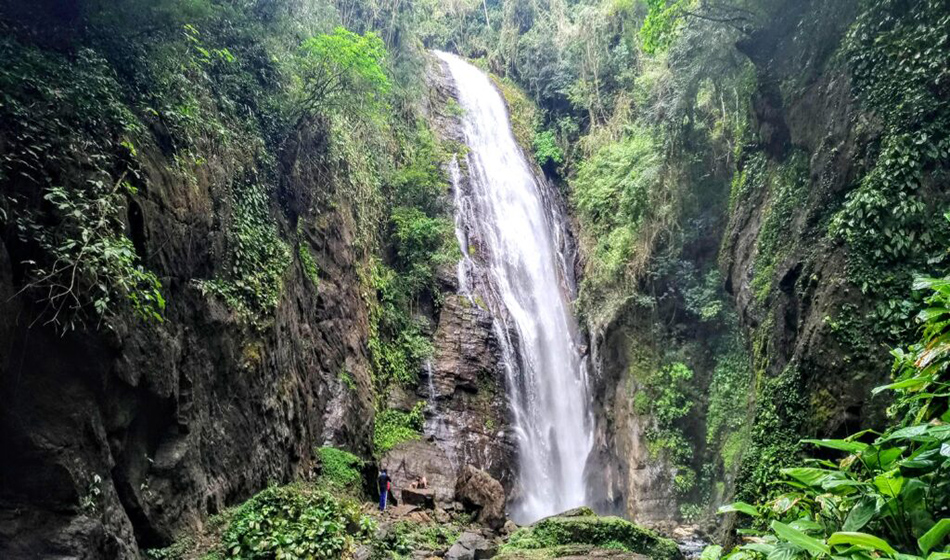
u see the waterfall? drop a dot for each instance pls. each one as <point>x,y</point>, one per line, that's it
<point>508,232</point>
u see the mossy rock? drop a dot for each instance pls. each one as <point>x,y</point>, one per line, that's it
<point>554,536</point>
<point>569,552</point>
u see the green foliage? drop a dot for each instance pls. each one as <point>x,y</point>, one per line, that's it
<point>420,239</point>
<point>663,21</point>
<point>920,371</point>
<point>705,300</point>
<point>612,192</point>
<point>393,427</point>
<point>897,53</point>
<point>787,186</point>
<point>343,71</point>
<point>309,265</point>
<point>521,111</point>
<point>422,244</point>
<point>92,258</point>
<point>292,522</point>
<point>404,537</point>
<point>668,391</point>
<point>774,439</point>
<point>889,495</point>
<point>176,551</point>
<point>397,342</point>
<point>253,278</point>
<point>546,149</point>
<point>727,412</point>
<point>67,138</point>
<point>340,469</point>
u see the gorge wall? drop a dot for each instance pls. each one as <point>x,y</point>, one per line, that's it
<point>769,322</point>
<point>130,434</point>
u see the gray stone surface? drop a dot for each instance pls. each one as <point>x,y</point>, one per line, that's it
<point>483,495</point>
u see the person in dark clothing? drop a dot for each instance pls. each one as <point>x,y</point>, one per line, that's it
<point>385,484</point>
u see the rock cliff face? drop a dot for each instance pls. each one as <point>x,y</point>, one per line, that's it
<point>113,437</point>
<point>802,376</point>
<point>464,383</point>
<point>824,125</point>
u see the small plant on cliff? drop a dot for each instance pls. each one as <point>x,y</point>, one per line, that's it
<point>93,264</point>
<point>89,503</point>
<point>546,149</point>
<point>340,469</point>
<point>394,427</point>
<point>309,265</point>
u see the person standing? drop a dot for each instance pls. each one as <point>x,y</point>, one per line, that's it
<point>384,483</point>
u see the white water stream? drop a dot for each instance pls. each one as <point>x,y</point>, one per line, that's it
<point>522,274</point>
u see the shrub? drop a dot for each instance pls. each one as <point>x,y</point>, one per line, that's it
<point>340,469</point>
<point>603,532</point>
<point>546,149</point>
<point>292,522</point>
<point>343,72</point>
<point>395,426</point>
<point>68,139</point>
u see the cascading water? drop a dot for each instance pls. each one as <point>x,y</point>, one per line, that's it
<point>521,273</point>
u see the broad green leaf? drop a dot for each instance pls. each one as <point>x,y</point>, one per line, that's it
<point>905,384</point>
<point>784,551</point>
<point>922,459</point>
<point>812,476</point>
<point>796,537</point>
<point>907,433</point>
<point>761,547</point>
<point>860,514</point>
<point>739,554</point>
<point>785,502</point>
<point>740,507</point>
<point>832,484</point>
<point>934,536</point>
<point>840,444</point>
<point>711,552</point>
<point>861,539</point>
<point>805,525</point>
<point>931,313</point>
<point>881,459</point>
<point>889,484</point>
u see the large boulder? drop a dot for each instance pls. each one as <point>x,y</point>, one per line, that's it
<point>471,546</point>
<point>480,493</point>
<point>422,497</point>
<point>583,534</point>
<point>411,460</point>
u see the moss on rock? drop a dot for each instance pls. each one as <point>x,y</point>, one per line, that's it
<point>549,535</point>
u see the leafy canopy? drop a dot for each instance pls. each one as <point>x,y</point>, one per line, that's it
<point>343,71</point>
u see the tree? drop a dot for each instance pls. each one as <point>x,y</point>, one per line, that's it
<point>343,72</point>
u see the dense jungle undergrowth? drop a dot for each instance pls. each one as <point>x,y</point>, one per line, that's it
<point>758,189</point>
